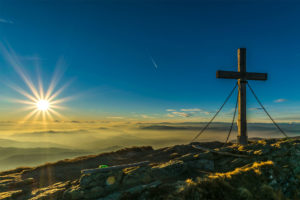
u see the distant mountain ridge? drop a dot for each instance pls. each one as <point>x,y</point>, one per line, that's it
<point>11,157</point>
<point>28,144</point>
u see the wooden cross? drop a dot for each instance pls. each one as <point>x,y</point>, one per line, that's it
<point>242,76</point>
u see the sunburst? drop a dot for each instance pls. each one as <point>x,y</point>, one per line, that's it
<point>39,103</point>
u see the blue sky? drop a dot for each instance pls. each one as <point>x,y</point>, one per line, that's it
<point>108,47</point>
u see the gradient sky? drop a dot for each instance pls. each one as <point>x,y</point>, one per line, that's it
<point>135,59</point>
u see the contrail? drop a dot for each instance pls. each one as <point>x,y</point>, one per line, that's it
<point>153,61</point>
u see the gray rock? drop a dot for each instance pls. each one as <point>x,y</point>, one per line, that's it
<point>141,175</point>
<point>169,169</point>
<point>93,193</point>
<point>140,188</point>
<point>76,194</point>
<point>202,164</point>
<point>85,181</point>
<point>113,196</point>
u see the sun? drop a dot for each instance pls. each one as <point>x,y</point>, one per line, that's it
<point>40,102</point>
<point>43,105</point>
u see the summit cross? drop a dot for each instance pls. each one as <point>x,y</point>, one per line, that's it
<point>242,76</point>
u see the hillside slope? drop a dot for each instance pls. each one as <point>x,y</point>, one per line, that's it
<point>265,169</point>
<point>10,157</point>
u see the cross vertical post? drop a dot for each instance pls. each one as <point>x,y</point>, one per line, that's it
<point>242,119</point>
<point>242,76</point>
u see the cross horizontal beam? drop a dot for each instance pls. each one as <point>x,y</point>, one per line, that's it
<point>238,75</point>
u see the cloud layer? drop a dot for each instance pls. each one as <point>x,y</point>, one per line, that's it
<point>6,21</point>
<point>185,112</point>
<point>182,114</point>
<point>280,100</point>
<point>191,110</point>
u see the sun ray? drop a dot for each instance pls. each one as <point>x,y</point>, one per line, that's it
<point>24,93</point>
<point>55,79</point>
<point>54,95</point>
<point>12,58</point>
<point>29,115</point>
<point>58,107</point>
<point>41,104</point>
<point>49,115</point>
<point>44,117</point>
<point>24,109</point>
<point>58,101</point>
<point>27,108</point>
<point>57,114</point>
<point>23,101</point>
<point>40,83</point>
<point>37,115</point>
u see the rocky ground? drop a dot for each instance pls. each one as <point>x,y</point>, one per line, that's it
<point>264,169</point>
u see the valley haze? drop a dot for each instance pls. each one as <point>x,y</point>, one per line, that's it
<point>59,140</point>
